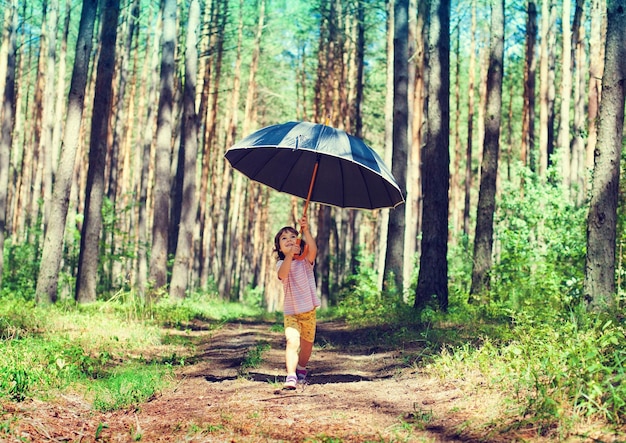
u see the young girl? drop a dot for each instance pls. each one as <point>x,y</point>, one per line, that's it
<point>301,298</point>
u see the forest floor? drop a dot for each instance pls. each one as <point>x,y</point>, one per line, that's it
<point>358,391</point>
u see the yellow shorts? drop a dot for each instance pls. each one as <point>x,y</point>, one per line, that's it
<point>303,323</point>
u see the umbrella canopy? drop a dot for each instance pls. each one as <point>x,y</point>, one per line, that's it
<point>319,163</point>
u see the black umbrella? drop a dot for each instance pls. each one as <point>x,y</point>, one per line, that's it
<point>317,162</point>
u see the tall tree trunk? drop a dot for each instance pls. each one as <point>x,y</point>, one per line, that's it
<point>382,226</point>
<point>47,280</point>
<point>160,225</point>
<point>48,151</point>
<point>483,243</point>
<point>7,119</point>
<point>149,77</point>
<point>87,278</point>
<point>230,230</point>
<point>546,81</point>
<point>455,182</point>
<point>527,146</point>
<point>471,92</point>
<point>599,285</point>
<point>394,259</point>
<point>565,154</point>
<point>596,69</point>
<point>432,280</point>
<point>189,151</point>
<point>579,175</point>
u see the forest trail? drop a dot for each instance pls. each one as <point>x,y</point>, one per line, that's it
<point>356,392</point>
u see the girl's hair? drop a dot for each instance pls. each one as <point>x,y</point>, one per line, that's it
<point>277,250</point>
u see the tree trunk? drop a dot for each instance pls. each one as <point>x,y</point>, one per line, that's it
<point>432,280</point>
<point>161,213</point>
<point>579,175</point>
<point>599,285</point>
<point>7,122</point>
<point>596,69</point>
<point>546,92</point>
<point>527,146</point>
<point>471,92</point>
<point>47,280</point>
<point>48,151</point>
<point>87,278</point>
<point>483,243</point>
<point>565,154</point>
<point>394,259</point>
<point>149,78</point>
<point>189,151</point>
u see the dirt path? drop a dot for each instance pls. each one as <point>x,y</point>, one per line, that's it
<point>359,390</point>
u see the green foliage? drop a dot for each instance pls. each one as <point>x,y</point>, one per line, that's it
<point>540,249</point>
<point>360,300</point>
<point>21,266</point>
<point>254,357</point>
<point>129,386</point>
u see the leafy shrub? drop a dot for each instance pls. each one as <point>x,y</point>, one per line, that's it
<point>540,249</point>
<point>360,300</point>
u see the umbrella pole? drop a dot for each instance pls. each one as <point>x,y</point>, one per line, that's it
<point>306,207</point>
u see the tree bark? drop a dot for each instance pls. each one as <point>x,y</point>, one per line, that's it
<point>189,151</point>
<point>87,277</point>
<point>394,259</point>
<point>471,92</point>
<point>565,157</point>
<point>527,146</point>
<point>432,280</point>
<point>483,242</point>
<point>599,285</point>
<point>7,122</point>
<point>52,254</point>
<point>161,216</point>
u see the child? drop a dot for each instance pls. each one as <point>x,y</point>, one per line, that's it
<point>301,299</point>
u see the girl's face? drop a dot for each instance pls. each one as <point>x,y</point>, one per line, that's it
<point>287,240</point>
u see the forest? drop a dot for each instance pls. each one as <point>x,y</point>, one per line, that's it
<point>501,123</point>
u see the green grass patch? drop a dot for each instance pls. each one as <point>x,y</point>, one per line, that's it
<point>129,386</point>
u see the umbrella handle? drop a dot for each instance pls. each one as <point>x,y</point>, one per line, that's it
<point>306,207</point>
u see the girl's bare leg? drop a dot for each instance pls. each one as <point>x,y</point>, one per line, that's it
<point>306,348</point>
<point>291,351</point>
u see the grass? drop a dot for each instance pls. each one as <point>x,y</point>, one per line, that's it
<point>552,377</point>
<point>115,354</point>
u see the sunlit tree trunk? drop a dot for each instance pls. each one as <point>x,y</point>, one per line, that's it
<point>471,93</point>
<point>599,285</point>
<point>546,89</point>
<point>7,116</point>
<point>578,122</point>
<point>149,81</point>
<point>244,223</point>
<point>455,176</point>
<point>483,242</point>
<point>527,146</point>
<point>232,244</point>
<point>48,151</point>
<point>117,166</point>
<point>394,259</point>
<point>565,155</point>
<point>382,224</point>
<point>47,280</point>
<point>596,69</point>
<point>432,280</point>
<point>217,244</point>
<point>189,150</point>
<point>165,119</point>
<point>87,277</point>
